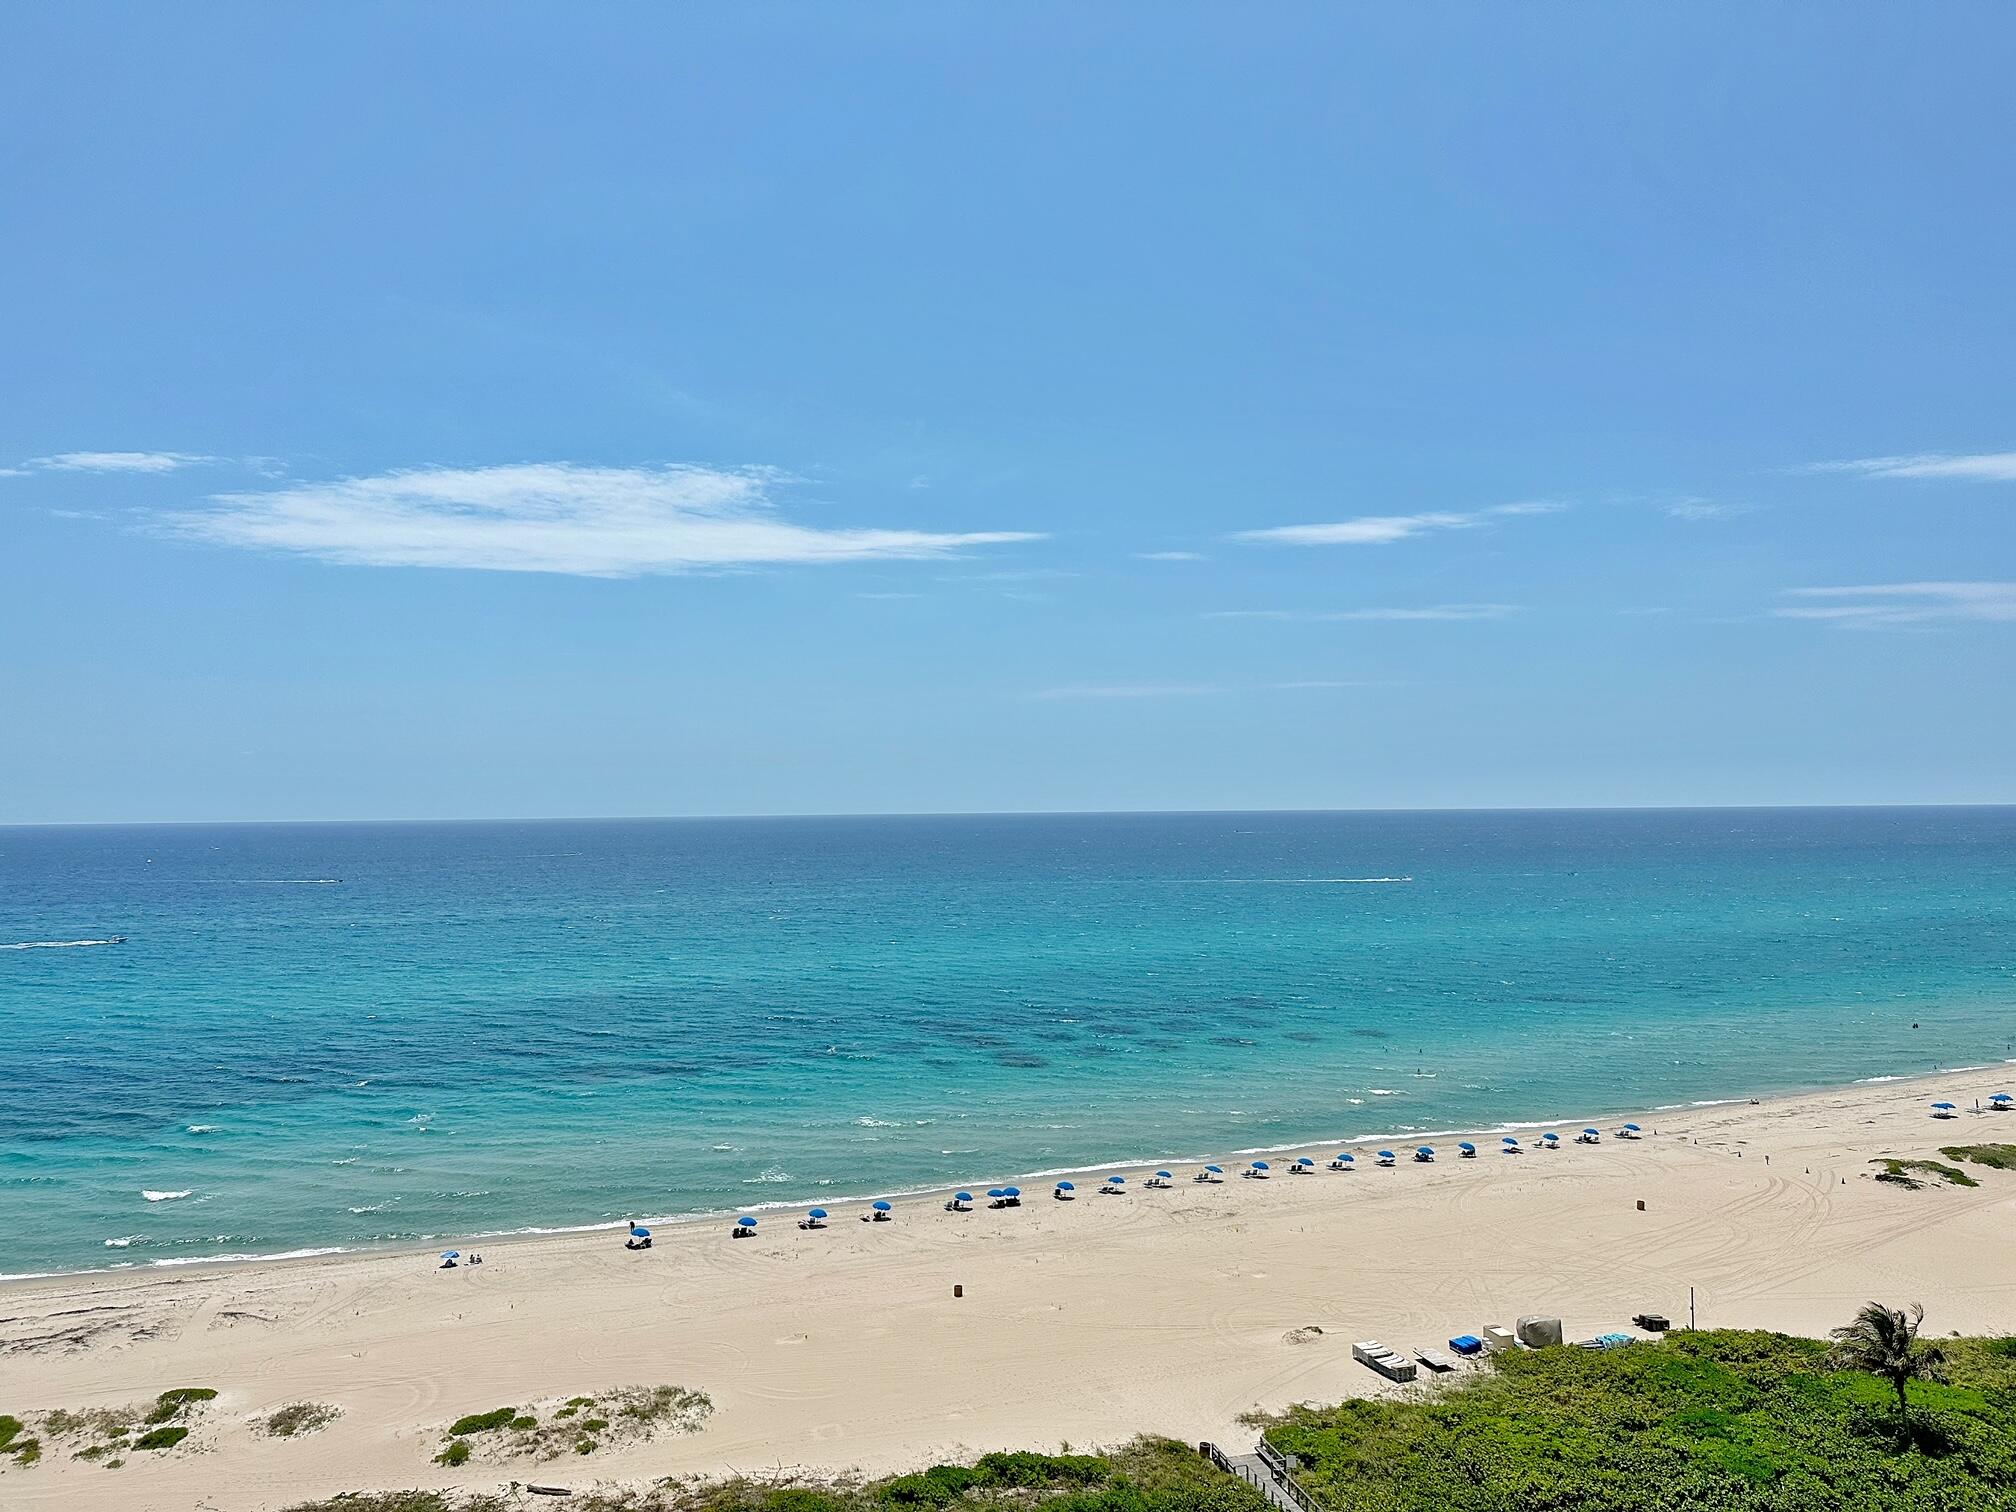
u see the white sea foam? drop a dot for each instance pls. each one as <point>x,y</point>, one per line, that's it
<point>867,1122</point>
<point>726,1149</point>
<point>57,944</point>
<point>1867,1080</point>
<point>299,1254</point>
<point>203,1128</point>
<point>1384,1092</point>
<point>768,1176</point>
<point>162,1196</point>
<point>122,1242</point>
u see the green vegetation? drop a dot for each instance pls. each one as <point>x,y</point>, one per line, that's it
<point>1149,1475</point>
<point>166,1437</point>
<point>1883,1341</point>
<point>456,1453</point>
<point>170,1404</point>
<point>10,1427</point>
<point>2001,1156</point>
<point>1907,1173</point>
<point>581,1424</point>
<point>298,1418</point>
<point>1735,1422</point>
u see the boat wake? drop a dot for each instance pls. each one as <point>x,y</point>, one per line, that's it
<point>62,944</point>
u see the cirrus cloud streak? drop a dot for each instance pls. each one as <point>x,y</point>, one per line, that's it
<point>612,522</point>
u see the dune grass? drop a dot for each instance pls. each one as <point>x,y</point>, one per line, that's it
<point>1736,1422</point>
<point>1148,1475</point>
<point>2001,1156</point>
<point>297,1418</point>
<point>1913,1174</point>
<point>578,1425</point>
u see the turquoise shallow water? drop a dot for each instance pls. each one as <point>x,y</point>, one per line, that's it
<point>340,1035</point>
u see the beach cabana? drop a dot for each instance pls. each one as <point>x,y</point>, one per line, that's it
<point>1066,1191</point>
<point>1942,1110</point>
<point>1589,1136</point>
<point>1303,1166</point>
<point>1629,1131</point>
<point>1424,1153</point>
<point>1550,1141</point>
<point>878,1212</point>
<point>1160,1179</point>
<point>1511,1146</point>
<point>962,1202</point>
<point>745,1227</point>
<point>1259,1170</point>
<point>1116,1186</point>
<point>816,1218</point>
<point>1466,1150</point>
<point>1386,1157</point>
<point>1210,1173</point>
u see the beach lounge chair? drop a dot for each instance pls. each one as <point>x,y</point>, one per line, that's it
<point>1550,1141</point>
<point>745,1228</point>
<point>1589,1136</point>
<point>816,1219</point>
<point>1386,1157</point>
<point>1425,1154</point>
<point>1511,1146</point>
<point>1115,1186</point>
<point>1014,1196</point>
<point>1210,1173</point>
<point>1942,1110</point>
<point>1303,1167</point>
<point>1066,1192</point>
<point>878,1212</point>
<point>1161,1179</point>
<point>1389,1363</point>
<point>1435,1360</point>
<point>1343,1162</point>
<point>1466,1151</point>
<point>962,1202</point>
<point>1629,1131</point>
<point>1258,1171</point>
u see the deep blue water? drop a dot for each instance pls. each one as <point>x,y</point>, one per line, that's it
<point>348,1034</point>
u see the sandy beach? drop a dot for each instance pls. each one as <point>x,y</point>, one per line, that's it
<point>1083,1322</point>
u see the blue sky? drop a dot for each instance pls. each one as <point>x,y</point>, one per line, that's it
<point>805,408</point>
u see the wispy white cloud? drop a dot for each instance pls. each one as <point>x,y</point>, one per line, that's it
<point>1879,605</point>
<point>1989,467</point>
<point>1704,509</point>
<point>1130,690</point>
<point>1170,556</point>
<point>1384,530</point>
<point>118,461</point>
<point>1429,612</point>
<point>553,517</point>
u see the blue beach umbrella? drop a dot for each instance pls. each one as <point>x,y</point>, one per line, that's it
<point>1465,1145</point>
<point>1165,1175</point>
<point>451,1254</point>
<point>880,1207</point>
<point>1998,1097</point>
<point>1216,1170</point>
<point>1508,1139</point>
<point>1116,1181</point>
<point>1632,1127</point>
<point>640,1233</point>
<point>962,1196</point>
<point>1424,1149</point>
<point>996,1192</point>
<point>1305,1160</point>
<point>816,1213</point>
<point>1011,1191</point>
<point>1261,1165</point>
<point>1065,1186</point>
<point>1589,1131</point>
<point>1347,1157</point>
<point>745,1221</point>
<point>1385,1154</point>
<point>1942,1105</point>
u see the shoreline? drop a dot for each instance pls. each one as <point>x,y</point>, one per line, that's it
<point>874,1348</point>
<point>682,1222</point>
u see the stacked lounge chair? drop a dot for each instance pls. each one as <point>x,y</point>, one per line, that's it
<point>1389,1363</point>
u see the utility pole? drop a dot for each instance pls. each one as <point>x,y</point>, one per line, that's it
<point>1690,1308</point>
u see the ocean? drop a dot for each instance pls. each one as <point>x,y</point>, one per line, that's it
<point>227,1040</point>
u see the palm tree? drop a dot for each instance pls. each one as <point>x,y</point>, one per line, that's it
<point>1884,1341</point>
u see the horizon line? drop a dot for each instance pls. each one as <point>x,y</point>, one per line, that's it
<point>1088,813</point>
